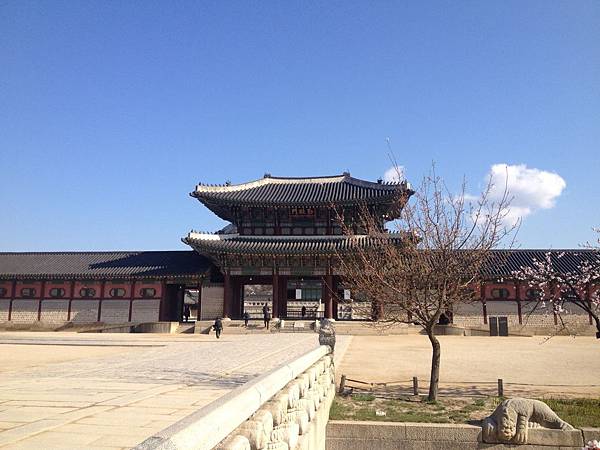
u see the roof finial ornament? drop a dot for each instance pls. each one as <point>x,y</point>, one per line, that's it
<point>228,183</point>
<point>267,175</point>
<point>346,173</point>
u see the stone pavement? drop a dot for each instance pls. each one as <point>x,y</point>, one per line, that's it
<point>59,397</point>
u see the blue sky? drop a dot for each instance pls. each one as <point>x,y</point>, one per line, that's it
<point>111,112</point>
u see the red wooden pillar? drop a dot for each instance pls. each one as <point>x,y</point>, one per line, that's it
<point>41,299</point>
<point>483,305</point>
<point>275,289</point>
<point>163,309</point>
<point>102,289</point>
<point>226,293</point>
<point>519,307</point>
<point>71,300</point>
<point>199,305</point>
<point>131,300</point>
<point>327,297</point>
<point>12,297</point>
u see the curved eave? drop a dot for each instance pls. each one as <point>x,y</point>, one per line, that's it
<point>279,245</point>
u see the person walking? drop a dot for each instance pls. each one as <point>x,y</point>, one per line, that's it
<point>246,317</point>
<point>303,311</point>
<point>266,316</point>
<point>218,327</point>
<point>186,313</point>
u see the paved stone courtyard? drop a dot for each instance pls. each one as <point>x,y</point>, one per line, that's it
<point>110,391</point>
<point>558,367</point>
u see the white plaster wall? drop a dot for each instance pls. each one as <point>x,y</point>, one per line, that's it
<point>211,303</point>
<point>506,308</point>
<point>25,311</point>
<point>115,311</point>
<point>84,311</point>
<point>468,315</point>
<point>55,311</point>
<point>145,310</point>
<point>4,305</point>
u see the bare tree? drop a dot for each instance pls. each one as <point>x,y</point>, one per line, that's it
<point>559,283</point>
<point>418,273</point>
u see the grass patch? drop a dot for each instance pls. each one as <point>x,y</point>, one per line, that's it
<point>578,412</point>
<point>365,407</point>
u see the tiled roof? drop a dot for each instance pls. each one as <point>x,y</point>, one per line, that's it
<point>314,191</point>
<point>277,245</point>
<point>103,264</point>
<point>505,263</point>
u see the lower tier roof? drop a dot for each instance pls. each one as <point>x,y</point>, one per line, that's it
<point>206,243</point>
<point>116,264</point>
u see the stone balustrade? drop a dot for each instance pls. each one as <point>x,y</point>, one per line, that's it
<point>285,409</point>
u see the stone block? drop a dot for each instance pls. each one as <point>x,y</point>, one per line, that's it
<point>4,306</point>
<point>590,434</point>
<point>442,432</point>
<point>55,311</point>
<point>364,430</point>
<point>84,311</point>
<point>145,310</point>
<point>25,311</point>
<point>555,438</point>
<point>115,311</point>
<point>236,442</point>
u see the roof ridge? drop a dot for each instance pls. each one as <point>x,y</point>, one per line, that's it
<point>91,252</point>
<point>269,179</point>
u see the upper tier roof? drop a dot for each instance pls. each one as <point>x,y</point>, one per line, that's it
<point>119,264</point>
<point>312,191</point>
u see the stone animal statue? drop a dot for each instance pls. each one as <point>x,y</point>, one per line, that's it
<point>327,333</point>
<point>511,420</point>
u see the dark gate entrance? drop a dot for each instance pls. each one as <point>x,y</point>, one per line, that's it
<point>498,326</point>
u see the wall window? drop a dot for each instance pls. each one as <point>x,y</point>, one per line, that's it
<point>28,292</point>
<point>500,293</point>
<point>147,292</point>
<point>87,292</point>
<point>533,293</point>
<point>117,292</point>
<point>3,292</point>
<point>57,292</point>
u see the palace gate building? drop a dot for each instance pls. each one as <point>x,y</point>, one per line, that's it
<point>280,248</point>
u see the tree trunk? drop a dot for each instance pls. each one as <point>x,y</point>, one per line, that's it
<point>435,365</point>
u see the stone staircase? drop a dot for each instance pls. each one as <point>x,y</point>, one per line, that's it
<point>185,328</point>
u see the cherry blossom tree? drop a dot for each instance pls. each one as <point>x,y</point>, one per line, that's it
<point>557,288</point>
<point>418,274</point>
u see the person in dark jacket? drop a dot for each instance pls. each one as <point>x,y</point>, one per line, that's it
<point>186,313</point>
<point>246,317</point>
<point>218,327</point>
<point>266,315</point>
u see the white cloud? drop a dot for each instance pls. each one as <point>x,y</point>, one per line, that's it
<point>531,189</point>
<point>394,174</point>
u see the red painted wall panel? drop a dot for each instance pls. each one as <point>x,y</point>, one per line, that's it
<point>95,285</point>
<point>64,285</point>
<point>37,285</point>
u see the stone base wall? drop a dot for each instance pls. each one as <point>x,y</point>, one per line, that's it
<point>211,304</point>
<point>25,311</point>
<point>55,311</point>
<point>145,310</point>
<point>115,311</point>
<point>350,435</point>
<point>4,307</point>
<point>84,311</point>
<point>536,319</point>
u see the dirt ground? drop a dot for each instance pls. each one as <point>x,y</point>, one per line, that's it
<point>560,366</point>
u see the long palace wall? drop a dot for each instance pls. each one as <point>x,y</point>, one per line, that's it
<point>59,302</point>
